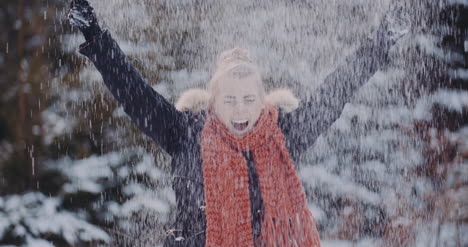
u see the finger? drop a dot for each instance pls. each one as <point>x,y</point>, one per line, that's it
<point>83,3</point>
<point>77,19</point>
<point>77,23</point>
<point>79,3</point>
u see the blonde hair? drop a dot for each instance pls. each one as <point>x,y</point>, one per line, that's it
<point>238,64</point>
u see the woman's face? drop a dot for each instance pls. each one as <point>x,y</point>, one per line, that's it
<point>238,103</point>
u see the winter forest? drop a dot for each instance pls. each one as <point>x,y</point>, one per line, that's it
<point>76,171</point>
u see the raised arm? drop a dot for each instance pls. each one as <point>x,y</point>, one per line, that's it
<point>324,106</point>
<point>153,114</point>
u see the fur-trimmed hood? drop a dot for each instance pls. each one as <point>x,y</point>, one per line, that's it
<point>197,100</point>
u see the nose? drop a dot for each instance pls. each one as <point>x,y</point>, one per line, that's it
<point>239,108</point>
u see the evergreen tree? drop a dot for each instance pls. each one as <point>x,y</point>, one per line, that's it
<point>393,164</point>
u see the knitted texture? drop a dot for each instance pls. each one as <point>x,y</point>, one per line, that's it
<point>286,220</point>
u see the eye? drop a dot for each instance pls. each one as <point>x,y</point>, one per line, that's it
<point>229,102</point>
<point>249,99</point>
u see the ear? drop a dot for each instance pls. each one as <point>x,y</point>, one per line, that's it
<point>194,100</point>
<point>282,98</point>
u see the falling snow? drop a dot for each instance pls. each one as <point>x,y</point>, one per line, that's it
<point>391,171</point>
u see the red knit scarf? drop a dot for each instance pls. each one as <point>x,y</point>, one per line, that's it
<point>286,220</point>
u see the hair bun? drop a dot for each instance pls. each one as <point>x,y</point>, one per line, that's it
<point>237,55</point>
<point>236,62</point>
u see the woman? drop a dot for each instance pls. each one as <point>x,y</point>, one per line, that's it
<point>233,146</point>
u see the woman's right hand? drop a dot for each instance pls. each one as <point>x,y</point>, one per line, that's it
<point>81,15</point>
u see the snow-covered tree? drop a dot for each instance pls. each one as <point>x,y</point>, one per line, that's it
<point>393,167</point>
<point>70,159</point>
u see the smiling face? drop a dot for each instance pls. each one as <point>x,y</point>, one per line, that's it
<point>238,102</point>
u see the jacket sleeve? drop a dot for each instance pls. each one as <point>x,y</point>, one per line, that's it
<point>323,107</point>
<point>153,114</point>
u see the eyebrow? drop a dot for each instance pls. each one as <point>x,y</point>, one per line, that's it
<point>234,97</point>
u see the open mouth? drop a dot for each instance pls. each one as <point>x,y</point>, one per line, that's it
<point>240,125</point>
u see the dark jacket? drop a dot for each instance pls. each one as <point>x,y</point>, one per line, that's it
<point>178,133</point>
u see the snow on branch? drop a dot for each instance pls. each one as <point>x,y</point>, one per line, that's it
<point>35,217</point>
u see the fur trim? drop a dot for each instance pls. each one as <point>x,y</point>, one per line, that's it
<point>194,100</point>
<point>197,100</point>
<point>282,98</point>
